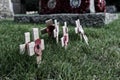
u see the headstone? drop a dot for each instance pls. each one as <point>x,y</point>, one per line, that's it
<point>63,6</point>
<point>6,8</point>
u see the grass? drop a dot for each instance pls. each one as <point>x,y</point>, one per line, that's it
<point>98,61</point>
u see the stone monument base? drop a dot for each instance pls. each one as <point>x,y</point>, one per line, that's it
<point>89,19</point>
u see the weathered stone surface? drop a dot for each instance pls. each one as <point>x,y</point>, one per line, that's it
<point>1,17</point>
<point>16,1</point>
<point>89,19</point>
<point>17,8</point>
<point>111,9</point>
<point>110,17</point>
<point>6,9</point>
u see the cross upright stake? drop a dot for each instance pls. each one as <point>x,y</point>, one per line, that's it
<point>39,45</point>
<point>56,31</point>
<point>65,38</point>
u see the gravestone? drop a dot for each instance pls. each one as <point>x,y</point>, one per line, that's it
<point>71,6</point>
<point>94,12</point>
<point>6,8</point>
<point>63,6</point>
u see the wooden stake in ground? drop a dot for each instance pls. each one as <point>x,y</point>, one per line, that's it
<point>79,30</point>
<point>56,31</point>
<point>65,38</point>
<point>39,45</point>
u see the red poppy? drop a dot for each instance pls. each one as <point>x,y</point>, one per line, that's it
<point>37,47</point>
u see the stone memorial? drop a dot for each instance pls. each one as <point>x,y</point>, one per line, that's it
<point>71,6</point>
<point>89,12</point>
<point>6,8</point>
<point>63,6</point>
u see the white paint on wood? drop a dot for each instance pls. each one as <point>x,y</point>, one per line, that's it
<point>42,45</point>
<point>31,46</point>
<point>27,37</point>
<point>80,31</point>
<point>35,34</point>
<point>22,48</point>
<point>56,30</point>
<point>62,41</point>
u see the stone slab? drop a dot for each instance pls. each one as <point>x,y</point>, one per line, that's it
<point>89,19</point>
<point>17,8</point>
<point>6,8</point>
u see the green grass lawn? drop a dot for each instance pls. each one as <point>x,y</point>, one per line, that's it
<point>98,61</point>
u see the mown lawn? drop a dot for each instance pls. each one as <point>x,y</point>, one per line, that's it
<point>98,61</point>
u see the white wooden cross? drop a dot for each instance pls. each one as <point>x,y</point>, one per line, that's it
<point>79,30</point>
<point>65,38</point>
<point>39,45</point>
<point>34,47</point>
<point>56,31</point>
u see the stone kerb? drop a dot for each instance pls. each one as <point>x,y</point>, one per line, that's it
<point>89,19</point>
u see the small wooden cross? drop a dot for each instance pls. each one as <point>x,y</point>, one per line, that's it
<point>39,45</point>
<point>65,38</point>
<point>79,30</point>
<point>56,31</point>
<point>34,47</point>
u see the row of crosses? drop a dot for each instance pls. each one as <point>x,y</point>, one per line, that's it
<point>37,46</point>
